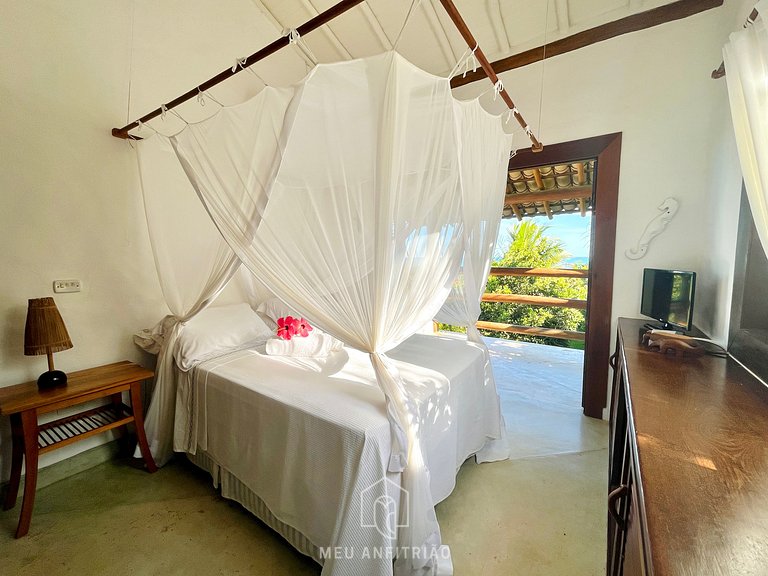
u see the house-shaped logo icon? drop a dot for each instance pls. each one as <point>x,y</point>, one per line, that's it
<point>385,506</point>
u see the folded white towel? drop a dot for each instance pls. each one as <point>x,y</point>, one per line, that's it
<point>316,345</point>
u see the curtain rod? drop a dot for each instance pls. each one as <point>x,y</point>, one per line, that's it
<point>463,29</point>
<point>269,49</point>
<point>313,24</point>
<point>719,72</point>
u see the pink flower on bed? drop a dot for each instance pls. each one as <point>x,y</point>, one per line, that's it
<point>286,327</point>
<point>303,328</point>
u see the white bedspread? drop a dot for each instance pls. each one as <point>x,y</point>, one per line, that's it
<point>311,438</point>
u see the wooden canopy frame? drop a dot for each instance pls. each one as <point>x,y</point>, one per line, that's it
<point>313,24</point>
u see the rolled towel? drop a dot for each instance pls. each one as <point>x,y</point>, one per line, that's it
<point>316,345</point>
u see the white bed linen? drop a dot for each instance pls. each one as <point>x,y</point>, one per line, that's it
<point>311,437</point>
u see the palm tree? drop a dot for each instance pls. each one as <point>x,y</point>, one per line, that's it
<point>530,247</point>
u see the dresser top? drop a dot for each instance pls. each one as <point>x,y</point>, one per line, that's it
<point>701,428</point>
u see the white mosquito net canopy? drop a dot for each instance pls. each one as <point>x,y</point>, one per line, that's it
<point>347,195</point>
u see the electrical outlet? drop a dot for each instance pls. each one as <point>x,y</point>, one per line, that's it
<point>66,286</point>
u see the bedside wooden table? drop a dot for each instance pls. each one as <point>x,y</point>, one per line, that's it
<point>24,403</point>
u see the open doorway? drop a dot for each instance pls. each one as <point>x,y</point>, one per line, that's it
<point>601,154</point>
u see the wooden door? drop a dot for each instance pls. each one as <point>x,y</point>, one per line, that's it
<point>606,150</point>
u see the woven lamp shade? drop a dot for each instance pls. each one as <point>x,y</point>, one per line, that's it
<point>45,331</point>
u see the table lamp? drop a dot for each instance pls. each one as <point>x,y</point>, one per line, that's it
<point>45,333</point>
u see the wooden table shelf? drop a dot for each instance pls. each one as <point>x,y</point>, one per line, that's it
<point>24,403</point>
<point>63,431</point>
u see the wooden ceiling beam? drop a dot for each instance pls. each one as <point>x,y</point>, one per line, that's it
<point>633,23</point>
<point>582,206</point>
<point>538,179</point>
<point>516,210</point>
<point>548,210</point>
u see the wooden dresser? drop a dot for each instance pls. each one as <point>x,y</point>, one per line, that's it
<point>688,473</point>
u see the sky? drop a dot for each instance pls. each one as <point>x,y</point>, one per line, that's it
<point>572,229</point>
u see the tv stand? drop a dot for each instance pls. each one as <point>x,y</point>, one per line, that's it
<point>687,464</point>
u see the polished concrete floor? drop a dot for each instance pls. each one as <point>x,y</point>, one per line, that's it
<point>540,513</point>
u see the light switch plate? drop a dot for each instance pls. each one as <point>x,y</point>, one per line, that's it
<point>66,286</point>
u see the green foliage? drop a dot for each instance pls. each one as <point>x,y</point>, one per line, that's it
<point>531,248</point>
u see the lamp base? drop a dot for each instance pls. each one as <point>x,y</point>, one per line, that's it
<point>51,379</point>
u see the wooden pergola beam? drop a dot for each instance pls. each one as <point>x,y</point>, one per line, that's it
<point>633,23</point>
<point>548,210</point>
<point>551,195</point>
<point>538,179</point>
<point>516,211</point>
<point>582,206</point>
<point>580,174</point>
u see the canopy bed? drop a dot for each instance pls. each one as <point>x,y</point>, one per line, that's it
<point>366,198</point>
<point>304,442</point>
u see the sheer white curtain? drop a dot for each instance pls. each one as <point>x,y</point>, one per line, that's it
<point>746,67</point>
<point>360,226</point>
<point>483,198</point>
<point>193,265</point>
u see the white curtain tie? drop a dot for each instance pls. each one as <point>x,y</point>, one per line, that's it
<point>239,63</point>
<point>293,36</point>
<point>497,88</point>
<point>465,62</point>
<point>470,61</point>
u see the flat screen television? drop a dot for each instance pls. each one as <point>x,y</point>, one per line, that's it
<point>668,298</point>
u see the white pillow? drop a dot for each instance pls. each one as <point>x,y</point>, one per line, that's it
<point>216,330</point>
<point>275,308</point>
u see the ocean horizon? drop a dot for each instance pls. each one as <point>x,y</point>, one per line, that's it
<point>574,261</point>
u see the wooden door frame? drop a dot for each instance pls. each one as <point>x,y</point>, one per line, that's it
<point>606,150</point>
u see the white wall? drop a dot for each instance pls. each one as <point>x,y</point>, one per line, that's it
<point>654,86</point>
<point>71,206</point>
<point>70,202</point>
